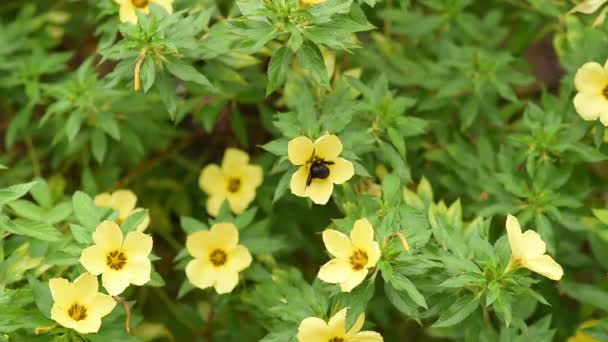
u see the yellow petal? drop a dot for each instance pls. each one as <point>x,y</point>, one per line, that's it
<point>252,176</point>
<point>604,116</point>
<point>214,203</point>
<point>115,282</point>
<point>590,106</point>
<point>367,336</point>
<point>335,271</point>
<point>514,235</point>
<point>139,270</point>
<point>239,201</point>
<point>298,182</point>
<point>300,150</point>
<point>60,315</point>
<point>320,190</point>
<point>341,171</point>
<point>62,291</point>
<point>591,78</point>
<point>212,180</point>
<point>101,305</point>
<point>532,245</point>
<point>373,253</point>
<point>328,147</point>
<point>356,327</point>
<point>337,244</point>
<point>354,279</point>
<point>88,325</point>
<point>85,288</point>
<point>93,259</point>
<point>362,233</point>
<point>201,273</point>
<point>239,259</point>
<point>198,244</point>
<point>145,223</point>
<point>224,235</point>
<point>337,323</point>
<point>313,329</point>
<point>137,244</point>
<point>226,281</point>
<point>127,13</point>
<point>108,236</point>
<point>234,159</point>
<point>124,202</point>
<point>546,266</point>
<point>103,200</point>
<point>166,4</point>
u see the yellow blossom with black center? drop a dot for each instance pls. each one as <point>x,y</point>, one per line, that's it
<point>235,181</point>
<point>79,305</point>
<point>353,257</point>
<point>320,167</point>
<point>128,8</point>
<point>218,258</point>
<point>120,262</point>
<point>314,329</point>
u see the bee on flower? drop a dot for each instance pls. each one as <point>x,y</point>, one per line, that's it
<point>591,101</point>
<point>320,167</point>
<point>314,329</point>
<point>354,257</point>
<point>528,251</point>
<point>218,258</point>
<point>128,8</point>
<point>120,262</point>
<point>124,202</point>
<point>79,305</point>
<point>235,181</point>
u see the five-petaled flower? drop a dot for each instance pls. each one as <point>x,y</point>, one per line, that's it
<point>119,262</point>
<point>78,305</point>
<point>591,102</point>
<point>528,251</point>
<point>353,257</point>
<point>320,167</point>
<point>314,329</point>
<point>218,258</point>
<point>124,202</point>
<point>128,8</point>
<point>235,181</point>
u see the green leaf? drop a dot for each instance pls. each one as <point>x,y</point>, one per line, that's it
<point>85,210</point>
<point>311,60</point>
<point>13,192</point>
<point>456,313</point>
<point>99,145</point>
<point>281,187</point>
<point>27,227</point>
<point>191,225</point>
<point>277,69</point>
<point>148,73</point>
<point>81,234</point>
<point>41,193</point>
<point>133,221</point>
<point>397,140</point>
<point>586,293</point>
<point>42,296</point>
<point>166,88</point>
<point>186,72</point>
<point>239,127</point>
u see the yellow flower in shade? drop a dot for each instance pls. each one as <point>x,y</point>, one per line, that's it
<point>528,251</point>
<point>581,336</point>
<point>78,305</point>
<point>218,258</point>
<point>236,181</point>
<point>353,257</point>
<point>314,329</point>
<point>124,202</point>
<point>120,262</point>
<point>591,101</point>
<point>128,8</point>
<point>320,168</point>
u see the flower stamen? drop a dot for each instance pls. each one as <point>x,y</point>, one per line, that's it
<point>77,312</point>
<point>218,257</point>
<point>336,339</point>
<point>116,260</point>
<point>605,92</point>
<point>140,3</point>
<point>234,184</point>
<point>358,260</point>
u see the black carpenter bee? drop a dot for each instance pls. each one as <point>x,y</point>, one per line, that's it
<point>318,169</point>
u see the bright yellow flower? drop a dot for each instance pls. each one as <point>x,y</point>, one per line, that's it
<point>128,7</point>
<point>119,262</point>
<point>236,181</point>
<point>353,257</point>
<point>320,168</point>
<point>124,202</point>
<point>591,102</point>
<point>78,305</point>
<point>218,258</point>
<point>581,336</point>
<point>314,329</point>
<point>528,251</point>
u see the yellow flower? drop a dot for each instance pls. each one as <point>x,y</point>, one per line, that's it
<point>124,202</point>
<point>236,181</point>
<point>311,2</point>
<point>128,7</point>
<point>218,258</point>
<point>591,102</point>
<point>314,329</point>
<point>320,168</point>
<point>528,251</point>
<point>581,336</point>
<point>119,262</point>
<point>78,305</point>
<point>353,257</point>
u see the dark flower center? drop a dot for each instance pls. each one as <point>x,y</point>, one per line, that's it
<point>234,184</point>
<point>318,169</point>
<point>116,260</point>
<point>358,260</point>
<point>605,92</point>
<point>77,312</point>
<point>140,3</point>
<point>336,339</point>
<point>218,257</point>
